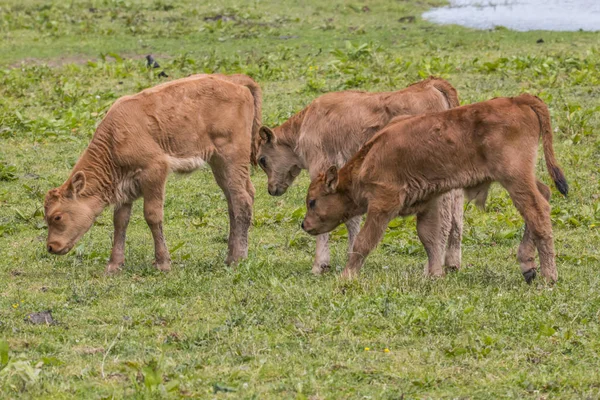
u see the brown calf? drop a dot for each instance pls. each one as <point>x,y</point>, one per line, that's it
<point>407,166</point>
<point>333,127</point>
<point>174,127</point>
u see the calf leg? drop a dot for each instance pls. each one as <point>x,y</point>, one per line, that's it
<point>431,234</point>
<point>535,209</point>
<point>242,203</point>
<point>366,240</point>
<point>120,221</point>
<point>453,244</point>
<point>526,252</point>
<point>321,263</point>
<point>322,253</point>
<point>353,226</point>
<point>235,182</point>
<point>153,191</point>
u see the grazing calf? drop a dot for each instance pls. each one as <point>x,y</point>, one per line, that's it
<point>407,166</point>
<point>174,127</point>
<point>333,127</point>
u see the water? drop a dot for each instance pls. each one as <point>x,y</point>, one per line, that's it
<point>520,15</point>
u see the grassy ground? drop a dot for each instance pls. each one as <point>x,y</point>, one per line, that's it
<point>269,329</point>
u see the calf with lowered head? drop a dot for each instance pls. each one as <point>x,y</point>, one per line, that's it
<point>333,127</point>
<point>177,126</point>
<point>407,166</point>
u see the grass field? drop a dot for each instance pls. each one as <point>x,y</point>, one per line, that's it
<point>268,328</point>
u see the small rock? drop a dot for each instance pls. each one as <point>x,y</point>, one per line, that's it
<point>540,40</point>
<point>40,318</point>
<point>286,37</point>
<point>408,19</point>
<point>366,9</point>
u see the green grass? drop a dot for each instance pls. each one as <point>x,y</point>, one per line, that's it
<point>269,329</point>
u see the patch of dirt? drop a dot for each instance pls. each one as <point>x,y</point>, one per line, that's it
<point>408,19</point>
<point>41,318</point>
<point>117,376</point>
<point>220,17</point>
<point>52,62</point>
<point>173,337</point>
<point>77,59</point>
<point>88,350</point>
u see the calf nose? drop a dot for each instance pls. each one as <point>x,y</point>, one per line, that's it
<point>271,192</point>
<point>302,225</point>
<point>49,248</point>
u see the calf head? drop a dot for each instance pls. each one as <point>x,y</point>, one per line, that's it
<point>327,205</point>
<point>69,215</point>
<point>279,162</point>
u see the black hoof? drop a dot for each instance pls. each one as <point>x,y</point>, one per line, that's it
<point>451,268</point>
<point>529,276</point>
<point>325,268</point>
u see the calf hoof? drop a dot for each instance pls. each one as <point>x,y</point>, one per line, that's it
<point>435,274</point>
<point>163,266</point>
<point>529,275</point>
<point>348,274</point>
<point>438,272</point>
<point>320,268</point>
<point>113,268</point>
<point>234,260</point>
<point>550,278</point>
<point>452,268</point>
<point>452,263</point>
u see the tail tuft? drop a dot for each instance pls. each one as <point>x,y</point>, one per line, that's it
<point>541,110</point>
<point>560,181</point>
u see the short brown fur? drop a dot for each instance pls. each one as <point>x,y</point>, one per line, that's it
<point>407,166</point>
<point>333,127</point>
<point>174,127</point>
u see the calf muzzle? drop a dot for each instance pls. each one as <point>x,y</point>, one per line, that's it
<point>277,190</point>
<point>308,229</point>
<point>55,248</point>
<point>529,276</point>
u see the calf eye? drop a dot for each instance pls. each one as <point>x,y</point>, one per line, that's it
<point>57,218</point>
<point>263,162</point>
<point>311,204</point>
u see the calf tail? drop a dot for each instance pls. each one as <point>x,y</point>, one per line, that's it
<point>541,110</point>
<point>257,121</point>
<point>449,92</point>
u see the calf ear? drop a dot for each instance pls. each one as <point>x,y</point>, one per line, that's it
<point>331,178</point>
<point>266,134</point>
<point>77,184</point>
